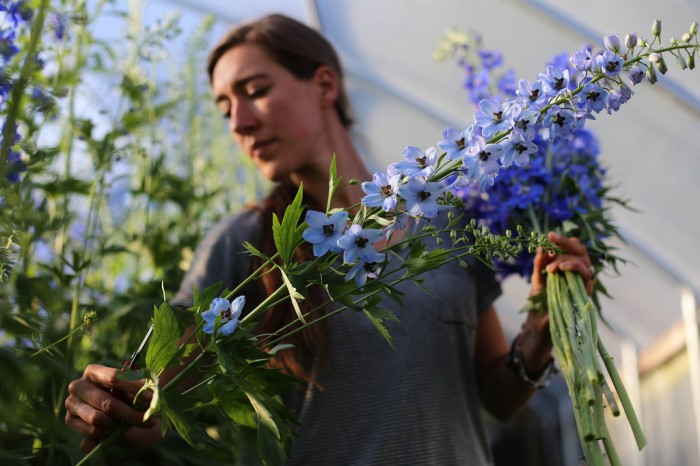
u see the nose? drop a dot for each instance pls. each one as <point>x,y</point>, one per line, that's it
<point>243,119</point>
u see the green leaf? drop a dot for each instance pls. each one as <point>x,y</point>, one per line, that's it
<point>288,232</point>
<point>294,295</point>
<point>264,416</point>
<point>377,316</point>
<point>164,342</point>
<point>202,299</point>
<point>333,183</point>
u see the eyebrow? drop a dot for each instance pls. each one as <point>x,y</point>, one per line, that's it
<point>241,83</point>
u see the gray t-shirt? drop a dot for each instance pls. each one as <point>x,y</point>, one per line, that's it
<point>415,404</point>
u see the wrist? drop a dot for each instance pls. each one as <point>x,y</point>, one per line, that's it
<point>535,376</point>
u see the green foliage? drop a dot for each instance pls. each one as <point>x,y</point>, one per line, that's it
<point>128,164</point>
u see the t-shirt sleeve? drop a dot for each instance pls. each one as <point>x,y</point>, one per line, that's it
<point>488,288</point>
<point>220,257</point>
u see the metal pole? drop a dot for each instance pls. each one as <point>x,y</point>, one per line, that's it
<point>692,345</point>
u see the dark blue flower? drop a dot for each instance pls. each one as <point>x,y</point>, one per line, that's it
<point>610,63</point>
<point>554,80</point>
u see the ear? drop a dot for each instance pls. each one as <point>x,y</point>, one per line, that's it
<point>327,84</point>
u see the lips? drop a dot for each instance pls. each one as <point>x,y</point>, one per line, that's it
<point>259,148</point>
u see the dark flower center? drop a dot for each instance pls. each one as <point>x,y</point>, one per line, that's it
<point>421,161</point>
<point>498,117</point>
<point>226,315</point>
<point>386,190</point>
<point>559,84</point>
<point>611,65</point>
<point>558,119</point>
<point>484,155</point>
<point>423,195</point>
<point>361,242</point>
<point>522,124</point>
<point>593,96</point>
<point>534,94</point>
<point>520,148</point>
<point>370,267</point>
<point>328,229</point>
<point>460,143</point>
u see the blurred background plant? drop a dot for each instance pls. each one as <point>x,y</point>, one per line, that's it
<point>113,164</point>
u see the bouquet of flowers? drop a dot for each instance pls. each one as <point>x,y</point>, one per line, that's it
<point>558,183</point>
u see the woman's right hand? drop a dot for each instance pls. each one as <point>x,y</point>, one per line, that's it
<point>94,407</point>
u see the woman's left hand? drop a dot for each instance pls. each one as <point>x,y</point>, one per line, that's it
<point>535,341</point>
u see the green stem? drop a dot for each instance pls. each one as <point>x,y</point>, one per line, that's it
<point>639,436</point>
<point>104,443</point>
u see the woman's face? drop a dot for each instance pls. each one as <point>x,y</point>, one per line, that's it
<point>274,117</point>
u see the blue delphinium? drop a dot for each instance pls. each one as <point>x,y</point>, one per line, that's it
<point>357,242</point>
<point>363,270</point>
<point>421,196</point>
<point>324,231</point>
<point>416,162</point>
<point>381,191</point>
<point>229,312</point>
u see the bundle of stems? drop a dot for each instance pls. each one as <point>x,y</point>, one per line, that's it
<point>579,349</point>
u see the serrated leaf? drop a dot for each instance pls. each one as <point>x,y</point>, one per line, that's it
<point>377,316</point>
<point>164,342</point>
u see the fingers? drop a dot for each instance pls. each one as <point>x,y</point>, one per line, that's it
<point>94,412</point>
<point>574,259</point>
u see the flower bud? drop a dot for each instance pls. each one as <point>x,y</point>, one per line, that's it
<point>691,61</point>
<point>631,40</point>
<point>694,28</point>
<point>612,42</point>
<point>681,62</point>
<point>662,66</point>
<point>656,27</point>
<point>651,75</point>
<point>654,57</point>
<point>686,37</point>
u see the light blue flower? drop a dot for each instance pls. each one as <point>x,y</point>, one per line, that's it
<point>416,162</point>
<point>482,161</point>
<point>525,123</point>
<point>229,312</point>
<point>365,269</point>
<point>421,196</point>
<point>557,122</point>
<point>455,144</point>
<point>592,97</point>
<point>517,149</point>
<point>582,60</point>
<point>323,231</point>
<point>357,243</point>
<point>636,75</point>
<point>381,191</point>
<point>493,118</point>
<point>532,93</point>
<point>554,80</point>
<point>610,63</point>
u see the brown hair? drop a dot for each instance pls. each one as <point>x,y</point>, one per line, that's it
<point>301,50</point>
<point>292,45</point>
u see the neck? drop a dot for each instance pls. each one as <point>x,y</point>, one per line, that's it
<point>349,166</point>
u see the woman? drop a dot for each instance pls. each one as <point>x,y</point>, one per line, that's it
<point>280,86</point>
